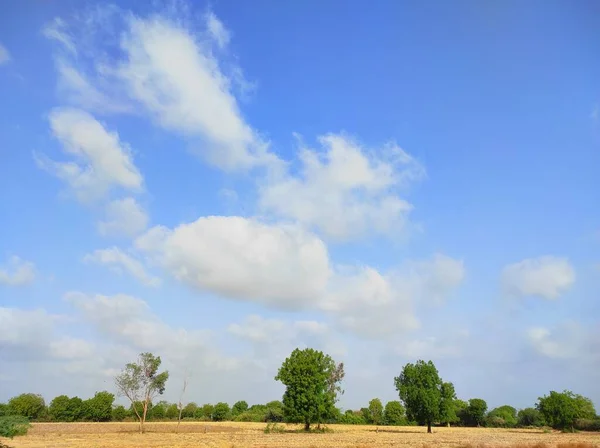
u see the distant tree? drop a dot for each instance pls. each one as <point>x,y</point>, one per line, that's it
<point>394,414</point>
<point>273,412</point>
<point>421,389</point>
<point>352,418</point>
<point>448,408</point>
<point>366,415</point>
<point>119,413</point>
<point>141,381</point>
<point>65,409</point>
<point>460,408</point>
<point>189,410</point>
<point>505,416</point>
<point>30,405</point>
<point>206,411</point>
<point>239,407</point>
<point>158,411</point>
<point>560,410</point>
<point>312,381</point>
<point>99,407</point>
<point>475,412</point>
<point>172,411</point>
<point>221,412</point>
<point>530,417</point>
<point>376,411</point>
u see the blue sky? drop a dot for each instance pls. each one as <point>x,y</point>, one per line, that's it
<point>220,183</point>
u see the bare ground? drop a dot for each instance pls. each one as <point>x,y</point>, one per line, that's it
<point>241,435</point>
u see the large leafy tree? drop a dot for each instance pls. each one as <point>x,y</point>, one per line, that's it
<point>505,416</point>
<point>312,381</point>
<point>239,407</point>
<point>426,397</point>
<point>561,409</point>
<point>394,414</point>
<point>65,409</point>
<point>221,412</point>
<point>140,382</point>
<point>530,417</point>
<point>31,406</point>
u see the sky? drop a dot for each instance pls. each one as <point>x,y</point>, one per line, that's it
<point>220,183</point>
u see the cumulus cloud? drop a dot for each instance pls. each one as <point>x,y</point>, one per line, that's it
<point>102,161</point>
<point>569,340</point>
<point>119,261</point>
<point>245,259</point>
<point>346,190</point>
<point>17,272</point>
<point>4,55</point>
<point>547,277</point>
<point>123,217</point>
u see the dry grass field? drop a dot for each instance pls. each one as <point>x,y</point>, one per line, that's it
<point>239,435</point>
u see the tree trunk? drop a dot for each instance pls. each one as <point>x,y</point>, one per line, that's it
<point>144,416</point>
<point>428,427</point>
<point>307,425</point>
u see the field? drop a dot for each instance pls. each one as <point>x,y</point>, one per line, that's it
<point>239,435</point>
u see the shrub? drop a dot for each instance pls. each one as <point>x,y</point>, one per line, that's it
<point>13,425</point>
<point>587,424</point>
<point>274,428</point>
<point>530,417</point>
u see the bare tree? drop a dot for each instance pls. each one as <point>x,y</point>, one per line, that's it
<point>140,382</point>
<point>180,405</point>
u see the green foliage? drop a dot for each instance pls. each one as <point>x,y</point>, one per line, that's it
<point>587,424</point>
<point>312,381</point>
<point>99,407</point>
<point>158,411</point>
<point>119,413</point>
<point>31,406</point>
<point>366,415</point>
<point>352,418</point>
<point>474,414</point>
<point>502,417</point>
<point>561,410</point>
<point>65,409</point>
<point>376,411</point>
<point>13,425</point>
<point>189,410</point>
<point>140,382</point>
<point>239,407</point>
<point>448,408</point>
<point>4,409</point>
<point>426,397</point>
<point>460,409</point>
<point>221,412</point>
<point>274,412</point>
<point>394,414</point>
<point>205,412</point>
<point>172,411</point>
<point>530,417</point>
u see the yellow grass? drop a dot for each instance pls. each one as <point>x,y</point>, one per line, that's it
<point>241,435</point>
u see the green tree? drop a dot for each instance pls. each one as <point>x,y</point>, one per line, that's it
<point>239,407</point>
<point>172,411</point>
<point>189,410</point>
<point>448,408</point>
<point>505,416</point>
<point>31,406</point>
<point>274,411</point>
<point>141,381</point>
<point>158,411</point>
<point>312,381</point>
<point>460,408</point>
<point>394,414</point>
<point>221,412</point>
<point>4,409</point>
<point>206,411</point>
<point>99,407</point>
<point>376,411</point>
<point>475,412</point>
<point>530,417</point>
<point>65,409</point>
<point>13,425</point>
<point>560,410</point>
<point>423,394</point>
<point>119,413</point>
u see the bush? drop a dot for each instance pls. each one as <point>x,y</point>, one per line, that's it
<point>31,406</point>
<point>119,413</point>
<point>587,424</point>
<point>530,417</point>
<point>274,428</point>
<point>13,425</point>
<point>352,418</point>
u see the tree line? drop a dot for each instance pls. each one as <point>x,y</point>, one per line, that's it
<point>313,387</point>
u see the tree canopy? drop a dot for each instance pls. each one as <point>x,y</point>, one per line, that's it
<point>312,381</point>
<point>561,409</point>
<point>426,397</point>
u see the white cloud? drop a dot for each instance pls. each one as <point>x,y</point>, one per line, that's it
<point>547,277</point>
<point>346,191</point>
<point>118,261</point>
<point>570,340</point>
<point>57,30</point>
<point>102,160</point>
<point>71,348</point>
<point>17,272</point>
<point>124,217</point>
<point>217,30</point>
<point>180,83</point>
<point>24,329</point>
<point>4,55</point>
<point>242,258</point>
